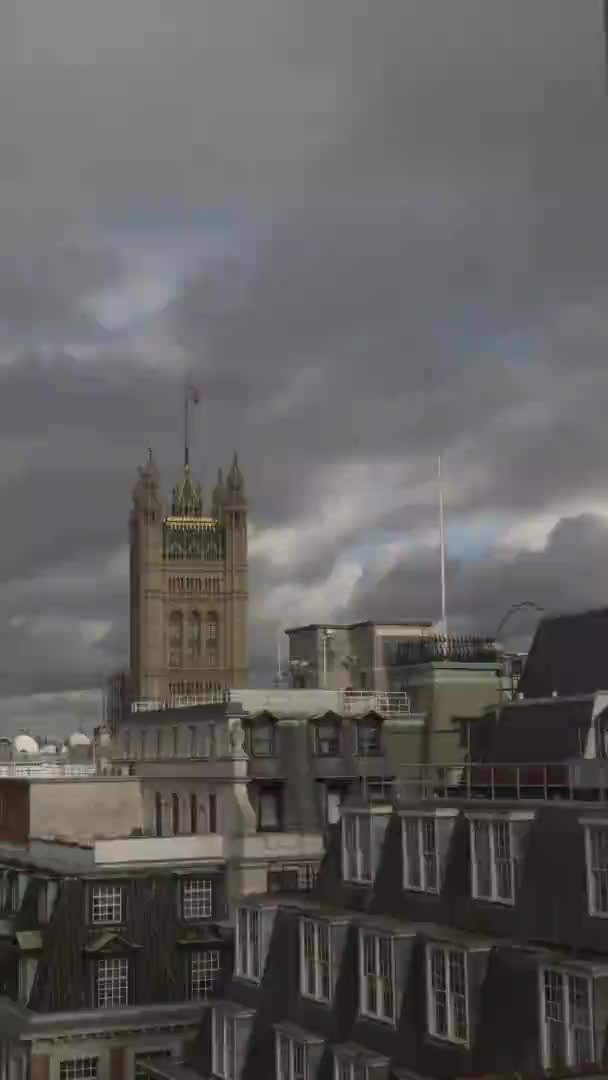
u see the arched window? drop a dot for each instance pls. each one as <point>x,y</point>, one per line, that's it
<point>176,639</point>
<point>175,814</point>
<point>195,639</point>
<point>193,814</point>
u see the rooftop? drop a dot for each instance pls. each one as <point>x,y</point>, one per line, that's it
<point>291,702</point>
<point>355,625</point>
<point>568,655</point>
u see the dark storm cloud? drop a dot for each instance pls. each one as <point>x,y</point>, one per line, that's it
<point>133,101</point>
<point>454,301</point>
<point>563,576</point>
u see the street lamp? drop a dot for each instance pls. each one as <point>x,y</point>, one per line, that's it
<point>326,635</point>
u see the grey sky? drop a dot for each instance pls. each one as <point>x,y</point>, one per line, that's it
<point>372,232</point>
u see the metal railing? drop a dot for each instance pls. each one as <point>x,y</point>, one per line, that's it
<point>574,779</point>
<point>360,702</point>
<point>454,647</point>
<point>182,701</point>
<point>44,768</point>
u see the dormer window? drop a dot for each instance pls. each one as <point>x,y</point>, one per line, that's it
<point>327,737</point>
<point>596,857</point>
<point>315,960</point>
<point>425,836</point>
<point>261,737</point>
<point>107,903</point>
<point>496,849</point>
<point>368,732</point>
<point>362,839</point>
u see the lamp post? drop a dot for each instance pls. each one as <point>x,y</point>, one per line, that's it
<point>350,662</point>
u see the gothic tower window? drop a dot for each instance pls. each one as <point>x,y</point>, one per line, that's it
<point>212,636</point>
<point>195,636</point>
<point>176,638</point>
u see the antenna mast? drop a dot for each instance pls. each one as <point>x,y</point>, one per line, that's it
<point>186,433</point>
<point>444,620</point>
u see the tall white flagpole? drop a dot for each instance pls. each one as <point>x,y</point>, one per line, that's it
<point>444,620</point>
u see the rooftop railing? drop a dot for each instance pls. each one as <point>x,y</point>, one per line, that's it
<point>455,648</point>
<point>44,769</point>
<point>348,702</point>
<point>359,702</point>
<point>182,701</point>
<point>574,779</point>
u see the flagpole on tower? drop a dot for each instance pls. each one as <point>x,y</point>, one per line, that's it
<point>186,433</point>
<point>191,395</point>
<point>444,619</point>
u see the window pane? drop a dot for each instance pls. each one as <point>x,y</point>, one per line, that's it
<point>78,1069</point>
<point>429,853</point>
<point>412,853</point>
<point>503,861</point>
<point>204,970</point>
<point>197,899</point>
<point>482,855</point>
<point>112,982</point>
<point>599,869</point>
<point>107,904</point>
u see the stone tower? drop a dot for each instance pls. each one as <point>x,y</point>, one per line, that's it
<point>188,587</point>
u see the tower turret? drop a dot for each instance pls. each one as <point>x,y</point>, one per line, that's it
<point>187,498</point>
<point>235,522</point>
<point>219,495</point>
<point>235,485</point>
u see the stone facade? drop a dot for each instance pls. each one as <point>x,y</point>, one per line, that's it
<point>188,587</point>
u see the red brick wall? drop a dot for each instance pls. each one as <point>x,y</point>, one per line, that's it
<point>14,811</point>
<point>117,1064</point>
<point>41,1067</point>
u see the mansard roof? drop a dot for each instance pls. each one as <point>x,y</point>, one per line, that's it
<point>552,729</point>
<point>569,655</point>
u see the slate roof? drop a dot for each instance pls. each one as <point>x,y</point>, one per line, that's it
<point>569,654</point>
<point>526,731</point>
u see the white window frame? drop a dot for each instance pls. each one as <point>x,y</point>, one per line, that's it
<point>197,899</point>
<point>316,933</point>
<point>493,824</point>
<point>447,952</point>
<point>565,978</point>
<point>349,1068</point>
<point>380,980</point>
<point>294,1046</point>
<point>107,904</point>
<point>223,1045</point>
<point>205,966</point>
<point>417,873</point>
<point>248,954</point>
<point>597,876</point>
<point>79,1068</point>
<point>112,982</point>
<point>366,855</point>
